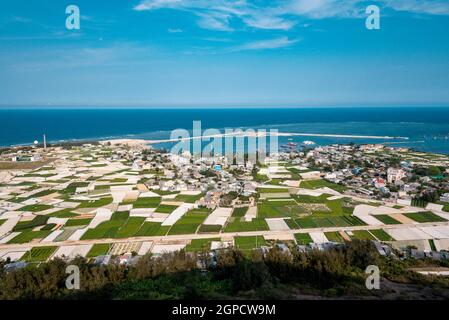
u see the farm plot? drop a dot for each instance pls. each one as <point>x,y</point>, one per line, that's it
<point>189,222</point>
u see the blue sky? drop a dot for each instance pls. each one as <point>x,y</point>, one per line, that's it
<point>223,52</point>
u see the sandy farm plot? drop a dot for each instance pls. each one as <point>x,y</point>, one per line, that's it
<point>408,234</point>
<point>218,217</point>
<point>277,224</point>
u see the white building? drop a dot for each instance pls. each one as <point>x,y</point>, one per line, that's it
<point>394,175</point>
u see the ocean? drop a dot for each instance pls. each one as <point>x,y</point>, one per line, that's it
<point>427,128</point>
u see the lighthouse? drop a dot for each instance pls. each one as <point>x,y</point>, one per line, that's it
<point>45,142</point>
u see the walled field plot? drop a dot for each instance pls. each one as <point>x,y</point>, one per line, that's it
<point>334,236</point>
<point>165,208</point>
<point>239,212</point>
<point>239,225</point>
<point>189,222</point>
<point>362,235</point>
<point>381,235</point>
<point>28,236</point>
<point>249,243</point>
<point>386,219</point>
<point>150,229</point>
<point>188,198</point>
<point>130,228</point>
<point>146,203</point>
<point>279,209</point>
<point>36,222</point>
<point>39,254</point>
<point>200,244</point>
<point>423,217</point>
<point>325,222</point>
<point>35,207</point>
<point>107,229</point>
<point>95,203</point>
<point>77,222</point>
<point>210,228</point>
<point>303,238</point>
<point>317,184</point>
<point>65,213</point>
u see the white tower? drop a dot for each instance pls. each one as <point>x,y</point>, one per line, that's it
<point>45,142</point>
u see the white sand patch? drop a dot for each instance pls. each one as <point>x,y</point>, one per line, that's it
<point>250,214</point>
<point>190,192</point>
<point>166,248</point>
<point>218,217</point>
<point>12,254</point>
<point>149,194</point>
<point>52,236</point>
<point>403,219</point>
<point>8,225</point>
<point>77,234</point>
<point>277,224</point>
<point>370,220</point>
<point>438,232</point>
<point>217,245</point>
<point>384,210</point>
<point>177,214</point>
<point>408,234</point>
<point>57,220</point>
<point>441,244</point>
<point>118,196</point>
<point>335,198</point>
<point>142,212</point>
<point>291,183</point>
<point>63,251</point>
<point>280,237</point>
<point>125,207</point>
<point>318,237</point>
<point>145,247</point>
<point>275,195</point>
<point>10,236</point>
<point>100,216</point>
<point>327,190</point>
<point>80,250</point>
<point>308,192</point>
<point>434,206</point>
<point>169,196</point>
<point>68,205</point>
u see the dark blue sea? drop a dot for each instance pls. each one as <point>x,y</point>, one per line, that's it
<point>427,128</point>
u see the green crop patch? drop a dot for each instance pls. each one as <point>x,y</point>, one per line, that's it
<point>147,203</point>
<point>130,228</point>
<point>35,207</point>
<point>77,222</point>
<point>95,203</point>
<point>188,198</point>
<point>28,236</point>
<point>362,235</point>
<point>303,238</point>
<point>210,228</point>
<point>249,243</point>
<point>150,229</point>
<point>189,222</point>
<point>423,217</point>
<point>200,244</point>
<point>98,249</point>
<point>239,212</point>
<point>334,236</point>
<point>38,254</point>
<point>240,225</point>
<point>381,235</point>
<point>165,208</point>
<point>386,219</point>
<point>36,222</point>
<point>317,184</point>
<point>279,209</point>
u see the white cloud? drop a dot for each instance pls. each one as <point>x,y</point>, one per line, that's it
<point>170,30</point>
<point>283,14</point>
<point>277,43</point>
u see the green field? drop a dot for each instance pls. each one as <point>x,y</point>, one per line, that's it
<point>188,198</point>
<point>149,229</point>
<point>386,219</point>
<point>239,225</point>
<point>2,221</point>
<point>65,213</point>
<point>446,208</point>
<point>165,208</point>
<point>130,228</point>
<point>210,228</point>
<point>317,184</point>
<point>77,222</point>
<point>239,212</point>
<point>95,203</point>
<point>278,209</point>
<point>362,235</point>
<point>189,222</point>
<point>147,203</point>
<point>200,244</point>
<point>334,236</point>
<point>99,249</point>
<point>381,235</point>
<point>325,222</point>
<point>249,243</point>
<point>303,238</point>
<point>272,190</point>
<point>35,207</point>
<point>28,236</point>
<point>38,254</point>
<point>36,222</point>
<point>106,229</point>
<point>423,217</point>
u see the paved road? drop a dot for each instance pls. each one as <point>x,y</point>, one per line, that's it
<point>188,237</point>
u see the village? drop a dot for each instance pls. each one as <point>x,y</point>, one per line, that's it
<point>115,201</point>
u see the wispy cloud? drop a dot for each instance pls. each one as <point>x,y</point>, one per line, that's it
<point>283,14</point>
<point>277,43</point>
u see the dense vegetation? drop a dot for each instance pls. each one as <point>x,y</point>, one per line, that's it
<point>338,272</point>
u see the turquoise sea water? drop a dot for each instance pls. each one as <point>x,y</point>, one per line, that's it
<point>427,128</point>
